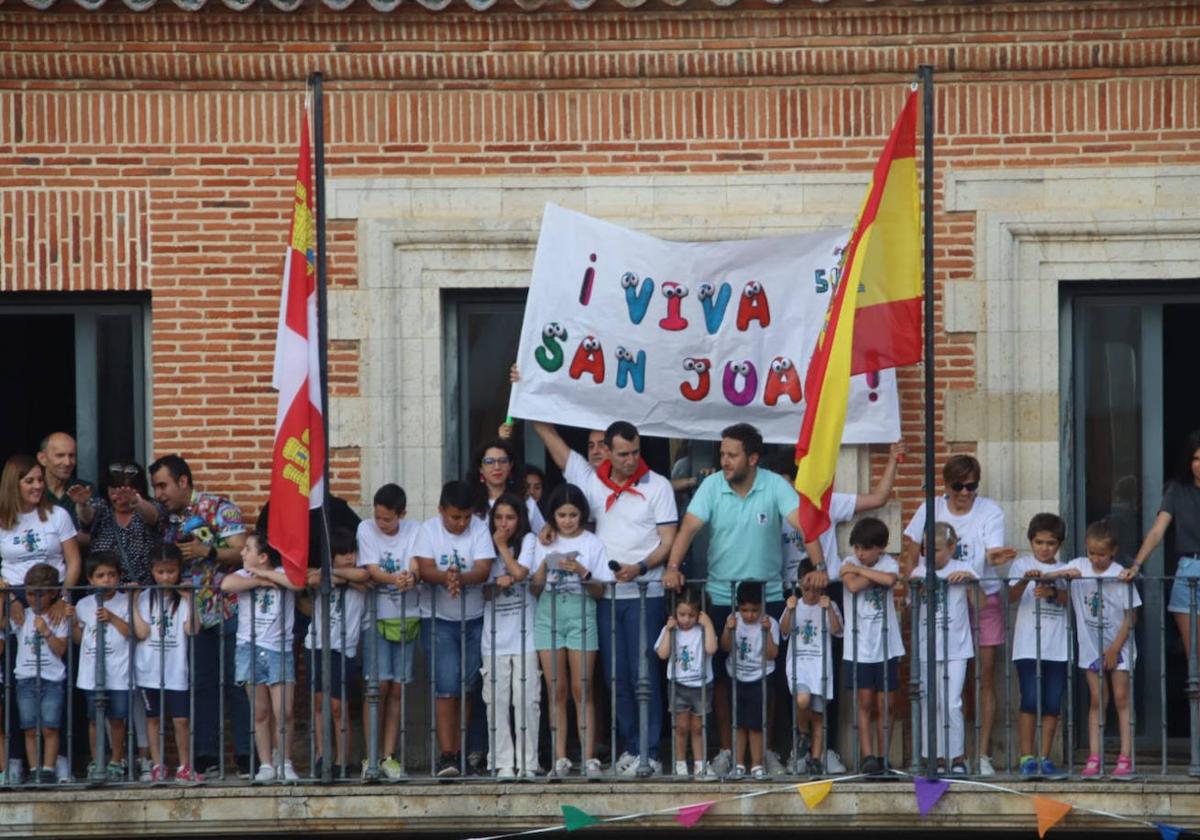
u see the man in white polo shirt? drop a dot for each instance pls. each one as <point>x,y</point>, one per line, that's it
<point>636,519</point>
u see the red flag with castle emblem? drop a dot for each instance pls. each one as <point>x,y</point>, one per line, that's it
<point>298,462</point>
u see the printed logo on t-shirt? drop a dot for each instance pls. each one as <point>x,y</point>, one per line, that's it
<point>762,519</point>
<point>963,550</point>
<point>264,599</point>
<point>684,659</point>
<point>1093,604</point>
<point>31,539</point>
<point>453,559</point>
<point>743,649</point>
<point>808,632</point>
<point>792,537</point>
<point>388,563</point>
<point>874,596</point>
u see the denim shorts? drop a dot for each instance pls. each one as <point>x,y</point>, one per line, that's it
<point>1181,589</point>
<point>1054,680</point>
<point>177,702</point>
<point>453,674</point>
<point>51,701</point>
<point>116,708</point>
<point>395,659</point>
<point>260,666</point>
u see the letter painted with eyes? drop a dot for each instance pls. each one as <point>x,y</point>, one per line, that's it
<point>749,376</point>
<point>699,390</point>
<point>550,355</point>
<point>674,293</point>
<point>782,380</point>
<point>632,367</point>
<point>753,306</point>
<point>714,302</point>
<point>637,297</point>
<point>589,358</point>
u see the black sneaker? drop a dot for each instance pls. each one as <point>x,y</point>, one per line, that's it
<point>813,766</point>
<point>340,771</point>
<point>447,766</point>
<point>317,767</point>
<point>872,765</point>
<point>46,776</point>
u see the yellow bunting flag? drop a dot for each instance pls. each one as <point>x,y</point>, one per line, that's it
<point>1049,812</point>
<point>814,793</point>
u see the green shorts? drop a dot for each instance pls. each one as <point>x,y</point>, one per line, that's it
<point>573,625</point>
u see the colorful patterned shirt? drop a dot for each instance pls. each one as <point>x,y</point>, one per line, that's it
<point>213,520</point>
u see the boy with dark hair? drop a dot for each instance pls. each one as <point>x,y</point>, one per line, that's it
<point>751,637</point>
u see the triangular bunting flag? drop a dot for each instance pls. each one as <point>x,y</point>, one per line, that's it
<point>814,793</point>
<point>689,815</point>
<point>1049,812</point>
<point>577,819</point>
<point>928,792</point>
<point>1168,832</point>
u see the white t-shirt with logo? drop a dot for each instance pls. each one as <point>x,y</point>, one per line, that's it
<point>590,553</point>
<point>979,529</point>
<point>841,509</point>
<point>461,550</point>
<point>116,646</point>
<point>875,610</point>
<point>504,611</point>
<point>272,610</point>
<point>393,553</point>
<point>347,607</point>
<point>164,653</point>
<point>748,650</point>
<point>1051,615</point>
<point>684,668</point>
<point>952,621</point>
<point>1100,610</point>
<point>31,648</point>
<point>629,529</point>
<point>31,541</point>
<point>809,652</point>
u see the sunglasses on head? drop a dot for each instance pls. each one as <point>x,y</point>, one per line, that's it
<point>503,461</point>
<point>123,469</point>
<point>959,486</point>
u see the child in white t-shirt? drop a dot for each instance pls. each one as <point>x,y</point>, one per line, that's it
<point>873,644</point>
<point>810,623</point>
<point>264,660</point>
<point>1105,612</point>
<point>162,621</point>
<point>752,659</point>
<point>688,642</point>
<point>1040,636</point>
<point>39,669</point>
<point>347,603</point>
<point>952,644</point>
<point>105,613</point>
<point>512,680</point>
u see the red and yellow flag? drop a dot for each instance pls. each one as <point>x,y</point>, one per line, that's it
<point>874,316</point>
<point>298,462</point>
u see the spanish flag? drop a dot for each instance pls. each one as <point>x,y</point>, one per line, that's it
<point>874,317</point>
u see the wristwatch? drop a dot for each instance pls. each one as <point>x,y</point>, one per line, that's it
<point>642,567</point>
<point>820,567</point>
<point>587,576</point>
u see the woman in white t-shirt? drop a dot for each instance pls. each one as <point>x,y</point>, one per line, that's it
<point>32,529</point>
<point>494,474</point>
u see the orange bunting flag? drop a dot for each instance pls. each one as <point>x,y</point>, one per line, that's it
<point>814,793</point>
<point>1049,813</point>
<point>874,316</point>
<point>298,462</point>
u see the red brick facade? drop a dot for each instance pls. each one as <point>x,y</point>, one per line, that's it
<point>153,151</point>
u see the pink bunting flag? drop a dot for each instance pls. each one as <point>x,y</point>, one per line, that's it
<point>928,792</point>
<point>689,815</point>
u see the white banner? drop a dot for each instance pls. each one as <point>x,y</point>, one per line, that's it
<point>681,338</point>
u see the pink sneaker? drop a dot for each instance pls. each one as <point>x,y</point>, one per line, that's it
<point>158,773</point>
<point>186,775</point>
<point>1124,768</point>
<point>1092,768</point>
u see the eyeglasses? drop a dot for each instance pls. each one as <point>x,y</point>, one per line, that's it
<point>503,461</point>
<point>969,486</point>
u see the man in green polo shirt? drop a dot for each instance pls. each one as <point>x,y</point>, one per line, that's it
<point>57,457</point>
<point>744,509</point>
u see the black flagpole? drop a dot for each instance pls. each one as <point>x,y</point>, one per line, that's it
<point>926,75</point>
<point>327,749</point>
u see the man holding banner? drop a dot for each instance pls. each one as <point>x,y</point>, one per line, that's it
<point>636,518</point>
<point>744,509</point>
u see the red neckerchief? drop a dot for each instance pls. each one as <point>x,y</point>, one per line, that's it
<point>604,472</point>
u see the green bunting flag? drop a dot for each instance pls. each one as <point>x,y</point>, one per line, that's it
<point>577,819</point>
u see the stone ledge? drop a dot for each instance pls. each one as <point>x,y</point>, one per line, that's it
<point>490,808</point>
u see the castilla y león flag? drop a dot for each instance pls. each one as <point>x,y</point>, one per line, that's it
<point>298,462</point>
<point>874,316</point>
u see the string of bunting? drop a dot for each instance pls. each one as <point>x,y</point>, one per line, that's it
<point>927,793</point>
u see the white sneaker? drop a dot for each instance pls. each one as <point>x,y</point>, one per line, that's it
<point>62,769</point>
<point>772,763</point>
<point>723,763</point>
<point>16,770</point>
<point>266,773</point>
<point>985,766</point>
<point>706,773</point>
<point>505,773</point>
<point>562,768</point>
<point>631,771</point>
<point>593,769</point>
<point>624,763</point>
<point>681,769</point>
<point>758,771</point>
<point>833,762</point>
<point>289,772</point>
<point>531,772</point>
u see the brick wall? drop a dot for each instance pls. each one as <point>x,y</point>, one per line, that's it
<point>153,151</point>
